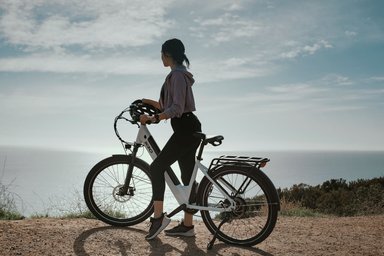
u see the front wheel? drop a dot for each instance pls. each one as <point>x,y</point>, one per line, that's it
<point>257,205</point>
<point>102,196</point>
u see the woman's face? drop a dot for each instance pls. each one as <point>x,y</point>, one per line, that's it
<point>167,59</point>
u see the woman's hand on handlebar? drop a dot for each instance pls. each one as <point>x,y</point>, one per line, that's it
<point>145,119</point>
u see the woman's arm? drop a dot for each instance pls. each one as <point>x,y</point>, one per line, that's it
<point>154,103</point>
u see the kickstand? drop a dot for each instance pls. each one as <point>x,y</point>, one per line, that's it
<point>210,244</point>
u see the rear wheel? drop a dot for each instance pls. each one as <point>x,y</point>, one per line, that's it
<point>257,205</point>
<point>102,196</point>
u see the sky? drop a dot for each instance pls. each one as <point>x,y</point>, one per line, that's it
<point>270,75</point>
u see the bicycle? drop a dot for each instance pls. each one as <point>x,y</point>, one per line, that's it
<point>238,202</point>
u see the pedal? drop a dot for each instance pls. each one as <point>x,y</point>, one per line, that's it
<point>191,211</point>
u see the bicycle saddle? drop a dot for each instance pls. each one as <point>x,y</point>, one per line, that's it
<point>213,140</point>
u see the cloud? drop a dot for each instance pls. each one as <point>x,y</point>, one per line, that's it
<point>336,80</point>
<point>90,36</point>
<point>343,93</point>
<point>242,40</point>
<point>377,78</point>
<point>226,27</point>
<point>331,93</point>
<point>350,33</point>
<point>270,31</point>
<point>230,69</point>
<point>306,50</point>
<point>89,24</point>
<point>67,63</point>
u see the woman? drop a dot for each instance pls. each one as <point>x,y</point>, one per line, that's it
<point>176,103</point>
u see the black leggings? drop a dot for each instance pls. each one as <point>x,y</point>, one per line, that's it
<point>180,147</point>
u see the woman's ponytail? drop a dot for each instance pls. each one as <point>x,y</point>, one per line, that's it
<point>186,60</point>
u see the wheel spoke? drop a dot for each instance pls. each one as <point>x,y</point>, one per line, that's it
<point>254,212</point>
<point>102,186</point>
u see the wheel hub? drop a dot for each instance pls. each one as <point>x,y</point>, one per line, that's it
<point>118,196</point>
<point>241,207</point>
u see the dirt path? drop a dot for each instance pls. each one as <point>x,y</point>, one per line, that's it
<point>292,236</point>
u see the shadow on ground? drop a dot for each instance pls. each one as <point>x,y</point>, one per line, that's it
<point>130,240</point>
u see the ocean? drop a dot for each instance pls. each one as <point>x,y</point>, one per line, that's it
<point>50,182</point>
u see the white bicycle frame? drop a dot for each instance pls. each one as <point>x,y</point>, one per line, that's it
<point>181,192</point>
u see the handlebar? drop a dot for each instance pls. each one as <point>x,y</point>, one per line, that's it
<point>122,117</point>
<point>135,110</point>
<point>138,108</point>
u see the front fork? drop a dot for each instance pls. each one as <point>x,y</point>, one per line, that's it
<point>126,189</point>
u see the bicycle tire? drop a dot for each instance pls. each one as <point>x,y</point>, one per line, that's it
<point>256,213</point>
<point>102,184</point>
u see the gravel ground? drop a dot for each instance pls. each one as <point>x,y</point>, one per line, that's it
<point>292,236</point>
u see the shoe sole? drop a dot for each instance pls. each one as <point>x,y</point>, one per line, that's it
<point>164,224</point>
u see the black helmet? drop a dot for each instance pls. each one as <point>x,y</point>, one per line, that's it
<point>138,108</point>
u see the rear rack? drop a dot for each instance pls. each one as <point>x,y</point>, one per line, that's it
<point>256,162</point>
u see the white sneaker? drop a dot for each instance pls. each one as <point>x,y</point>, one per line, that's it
<point>157,225</point>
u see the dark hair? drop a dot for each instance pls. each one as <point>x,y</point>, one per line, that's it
<point>175,48</point>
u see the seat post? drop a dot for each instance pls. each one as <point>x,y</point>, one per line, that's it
<point>200,154</point>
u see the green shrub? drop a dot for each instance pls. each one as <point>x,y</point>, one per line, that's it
<point>8,209</point>
<point>336,196</point>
